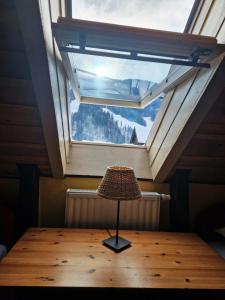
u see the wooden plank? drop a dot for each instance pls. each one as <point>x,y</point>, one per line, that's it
<point>211,138</point>
<point>77,258</point>
<point>14,64</point>
<point>19,115</point>
<point>17,91</point>
<point>211,129</point>
<point>215,19</point>
<point>221,34</point>
<point>159,117</point>
<point>206,6</point>
<point>205,91</point>
<point>216,116</point>
<point>199,161</point>
<point>21,134</point>
<point>174,107</point>
<point>56,7</point>
<point>205,174</point>
<point>35,25</point>
<point>22,149</point>
<point>206,146</point>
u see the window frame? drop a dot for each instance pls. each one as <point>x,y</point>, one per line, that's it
<point>188,46</point>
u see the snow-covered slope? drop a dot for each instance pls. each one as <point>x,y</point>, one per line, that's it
<point>142,131</point>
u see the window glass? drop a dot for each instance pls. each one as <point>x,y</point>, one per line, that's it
<point>111,124</point>
<point>115,78</point>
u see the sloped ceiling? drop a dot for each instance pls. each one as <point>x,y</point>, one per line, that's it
<point>21,135</point>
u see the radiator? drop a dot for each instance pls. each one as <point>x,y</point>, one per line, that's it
<point>84,209</point>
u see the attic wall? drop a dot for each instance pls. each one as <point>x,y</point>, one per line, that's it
<point>53,192</point>
<point>52,197</point>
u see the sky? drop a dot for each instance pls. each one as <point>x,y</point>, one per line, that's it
<point>168,15</point>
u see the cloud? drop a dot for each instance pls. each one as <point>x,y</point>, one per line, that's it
<point>168,15</point>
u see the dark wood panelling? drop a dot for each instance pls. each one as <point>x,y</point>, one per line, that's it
<point>205,154</point>
<point>21,134</point>
<point>14,64</point>
<point>22,149</point>
<point>19,115</point>
<point>205,145</point>
<point>10,34</point>
<point>202,161</point>
<point>17,91</point>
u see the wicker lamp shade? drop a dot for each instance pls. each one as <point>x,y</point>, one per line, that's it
<point>119,183</point>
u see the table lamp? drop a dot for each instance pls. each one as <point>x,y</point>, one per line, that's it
<point>119,183</point>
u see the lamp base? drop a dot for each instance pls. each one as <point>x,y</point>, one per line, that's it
<point>112,244</point>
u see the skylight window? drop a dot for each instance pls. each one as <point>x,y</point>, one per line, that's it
<point>117,55</point>
<point>168,15</point>
<point>111,124</point>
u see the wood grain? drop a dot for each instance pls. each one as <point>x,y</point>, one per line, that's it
<point>76,258</point>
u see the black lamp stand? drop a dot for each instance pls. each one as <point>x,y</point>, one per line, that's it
<point>117,243</point>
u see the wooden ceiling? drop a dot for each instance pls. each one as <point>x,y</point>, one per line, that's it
<point>21,134</point>
<point>205,154</point>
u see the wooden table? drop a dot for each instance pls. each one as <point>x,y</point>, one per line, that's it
<point>157,263</point>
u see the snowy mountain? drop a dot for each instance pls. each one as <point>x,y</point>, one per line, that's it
<point>112,124</point>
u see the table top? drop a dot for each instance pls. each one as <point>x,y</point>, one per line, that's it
<point>76,258</point>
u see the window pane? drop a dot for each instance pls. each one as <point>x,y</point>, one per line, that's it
<point>169,15</point>
<point>115,78</point>
<point>111,124</point>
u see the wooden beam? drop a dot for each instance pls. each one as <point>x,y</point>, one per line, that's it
<point>43,70</point>
<point>179,203</point>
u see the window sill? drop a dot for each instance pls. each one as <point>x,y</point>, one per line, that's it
<point>92,159</point>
